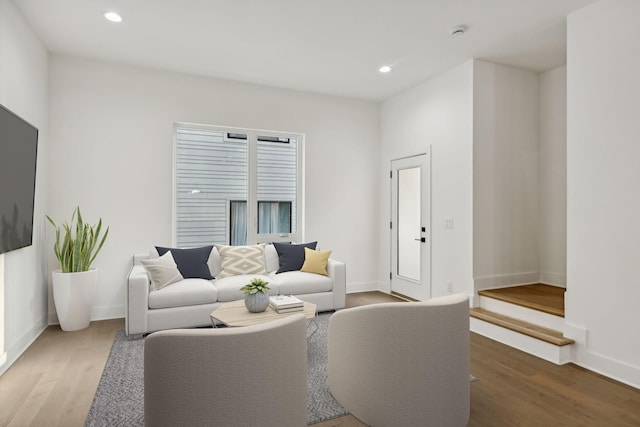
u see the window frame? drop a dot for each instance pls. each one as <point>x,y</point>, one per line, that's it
<point>253,237</point>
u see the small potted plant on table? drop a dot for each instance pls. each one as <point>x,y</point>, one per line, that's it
<point>256,299</point>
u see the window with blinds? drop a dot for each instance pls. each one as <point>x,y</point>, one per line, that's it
<point>236,186</point>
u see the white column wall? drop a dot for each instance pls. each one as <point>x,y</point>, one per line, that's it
<point>111,154</point>
<point>24,90</point>
<point>603,178</point>
<point>437,113</point>
<point>505,175</point>
<point>552,210</point>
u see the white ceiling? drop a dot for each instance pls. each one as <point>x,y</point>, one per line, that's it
<point>326,46</point>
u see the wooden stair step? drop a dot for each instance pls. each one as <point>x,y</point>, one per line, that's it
<point>526,328</point>
<point>545,298</point>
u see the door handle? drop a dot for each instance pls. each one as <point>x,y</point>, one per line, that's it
<point>422,239</point>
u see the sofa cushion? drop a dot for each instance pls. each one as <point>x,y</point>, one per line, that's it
<point>184,293</point>
<point>315,261</point>
<point>192,262</point>
<point>291,256</point>
<point>239,260</point>
<point>271,261</point>
<point>298,283</point>
<point>162,270</point>
<point>229,287</point>
<point>214,262</point>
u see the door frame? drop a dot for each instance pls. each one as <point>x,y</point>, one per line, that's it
<point>424,293</point>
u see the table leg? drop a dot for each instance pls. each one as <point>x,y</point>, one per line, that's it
<point>313,321</point>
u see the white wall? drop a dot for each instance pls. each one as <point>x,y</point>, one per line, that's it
<point>437,113</point>
<point>603,178</point>
<point>23,89</point>
<point>111,153</point>
<point>505,175</point>
<point>552,212</point>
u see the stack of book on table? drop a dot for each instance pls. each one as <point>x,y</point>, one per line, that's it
<point>285,303</point>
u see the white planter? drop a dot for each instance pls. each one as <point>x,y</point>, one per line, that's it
<point>73,295</point>
<point>256,303</point>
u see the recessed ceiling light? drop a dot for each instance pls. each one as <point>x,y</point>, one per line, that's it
<point>384,69</point>
<point>113,16</point>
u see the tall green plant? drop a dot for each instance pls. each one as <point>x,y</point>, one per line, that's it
<point>77,250</point>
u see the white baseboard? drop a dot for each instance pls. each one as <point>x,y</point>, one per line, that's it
<point>611,368</point>
<point>104,313</point>
<point>576,333</point>
<point>604,365</point>
<point>53,318</point>
<point>363,287</point>
<point>15,350</point>
<point>97,313</point>
<point>554,279</point>
<point>503,280</point>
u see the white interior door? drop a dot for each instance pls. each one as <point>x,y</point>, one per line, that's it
<point>411,227</point>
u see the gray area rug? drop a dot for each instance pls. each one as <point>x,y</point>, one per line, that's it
<point>119,400</point>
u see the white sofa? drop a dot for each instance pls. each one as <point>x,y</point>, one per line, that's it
<point>189,302</point>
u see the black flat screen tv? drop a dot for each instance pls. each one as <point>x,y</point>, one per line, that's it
<point>18,155</point>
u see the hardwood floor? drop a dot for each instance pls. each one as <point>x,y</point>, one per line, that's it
<point>545,298</point>
<point>54,381</point>
<point>516,388</point>
<point>365,298</point>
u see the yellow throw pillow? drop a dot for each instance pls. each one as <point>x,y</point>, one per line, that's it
<point>315,261</point>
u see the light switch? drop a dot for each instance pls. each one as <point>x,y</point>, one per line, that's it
<point>448,223</point>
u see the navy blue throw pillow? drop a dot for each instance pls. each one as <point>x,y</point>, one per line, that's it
<point>192,263</point>
<point>291,256</point>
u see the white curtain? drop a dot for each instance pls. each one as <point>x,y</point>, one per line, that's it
<point>238,223</point>
<point>274,217</point>
<point>266,218</point>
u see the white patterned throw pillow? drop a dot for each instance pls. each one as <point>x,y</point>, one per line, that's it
<point>162,270</point>
<point>237,260</point>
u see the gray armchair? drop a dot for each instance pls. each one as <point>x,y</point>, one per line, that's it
<point>248,376</point>
<point>402,364</point>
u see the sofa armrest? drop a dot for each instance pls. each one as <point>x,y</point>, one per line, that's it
<point>137,303</point>
<point>337,271</point>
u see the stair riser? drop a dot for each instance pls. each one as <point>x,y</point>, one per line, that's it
<point>522,313</point>
<point>552,353</point>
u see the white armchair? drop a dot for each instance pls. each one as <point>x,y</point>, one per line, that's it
<point>402,364</point>
<point>248,376</point>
